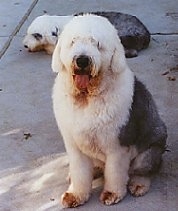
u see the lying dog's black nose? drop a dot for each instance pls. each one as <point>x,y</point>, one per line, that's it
<point>25,46</point>
<point>82,61</point>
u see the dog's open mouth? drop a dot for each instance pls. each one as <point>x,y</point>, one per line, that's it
<point>82,72</point>
<point>81,80</point>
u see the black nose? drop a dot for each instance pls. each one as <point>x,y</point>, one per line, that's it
<point>82,61</point>
<point>26,46</point>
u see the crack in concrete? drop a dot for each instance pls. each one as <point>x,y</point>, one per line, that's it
<point>17,28</point>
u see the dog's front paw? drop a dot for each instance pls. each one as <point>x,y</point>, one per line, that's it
<point>70,200</point>
<point>109,198</point>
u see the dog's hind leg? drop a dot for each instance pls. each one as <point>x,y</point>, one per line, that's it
<point>142,168</point>
<point>139,185</point>
<point>147,162</point>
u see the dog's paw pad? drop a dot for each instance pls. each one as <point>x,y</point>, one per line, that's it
<point>69,200</point>
<point>138,189</point>
<point>109,198</point>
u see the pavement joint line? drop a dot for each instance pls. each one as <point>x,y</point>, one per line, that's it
<point>17,28</point>
<point>8,36</point>
<point>165,33</point>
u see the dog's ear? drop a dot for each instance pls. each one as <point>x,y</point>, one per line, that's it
<point>118,60</point>
<point>56,61</point>
<point>55,33</point>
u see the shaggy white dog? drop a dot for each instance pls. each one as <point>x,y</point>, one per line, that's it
<point>106,116</point>
<point>42,34</point>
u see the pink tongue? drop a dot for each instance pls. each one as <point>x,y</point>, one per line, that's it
<point>81,81</point>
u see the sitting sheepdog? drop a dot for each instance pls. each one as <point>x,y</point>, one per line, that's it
<point>106,116</point>
<point>43,32</point>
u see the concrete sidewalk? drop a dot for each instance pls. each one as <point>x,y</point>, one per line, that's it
<point>33,163</point>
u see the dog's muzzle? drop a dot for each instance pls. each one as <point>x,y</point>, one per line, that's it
<point>82,61</point>
<point>82,71</point>
<point>82,65</point>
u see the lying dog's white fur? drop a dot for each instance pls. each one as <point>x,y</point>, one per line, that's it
<point>42,34</point>
<point>96,101</point>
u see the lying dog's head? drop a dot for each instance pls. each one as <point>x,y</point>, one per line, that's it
<point>37,42</point>
<point>88,48</point>
<point>43,33</point>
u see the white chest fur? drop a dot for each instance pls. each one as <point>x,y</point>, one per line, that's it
<point>94,128</point>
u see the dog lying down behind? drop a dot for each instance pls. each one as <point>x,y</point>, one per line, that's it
<point>107,117</point>
<point>43,32</point>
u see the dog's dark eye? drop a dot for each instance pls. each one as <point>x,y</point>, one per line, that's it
<point>73,41</point>
<point>37,36</point>
<point>99,46</point>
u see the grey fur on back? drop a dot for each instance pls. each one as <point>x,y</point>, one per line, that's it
<point>146,130</point>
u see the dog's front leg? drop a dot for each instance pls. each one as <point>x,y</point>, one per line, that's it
<point>81,173</point>
<point>115,177</point>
